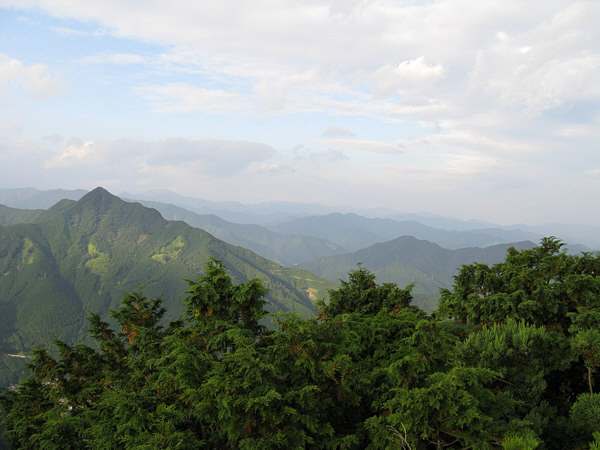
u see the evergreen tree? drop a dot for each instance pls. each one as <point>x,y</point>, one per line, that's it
<point>509,359</point>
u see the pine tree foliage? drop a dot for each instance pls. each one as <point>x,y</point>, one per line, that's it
<point>509,360</point>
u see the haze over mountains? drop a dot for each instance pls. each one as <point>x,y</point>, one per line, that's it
<point>282,216</point>
<point>65,253</point>
<point>330,243</point>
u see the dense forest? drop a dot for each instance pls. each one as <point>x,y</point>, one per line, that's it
<point>508,360</point>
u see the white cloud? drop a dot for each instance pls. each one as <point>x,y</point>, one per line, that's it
<point>35,79</point>
<point>415,73</point>
<point>470,163</point>
<point>364,145</point>
<point>183,97</point>
<point>477,88</point>
<point>272,92</point>
<point>114,58</point>
<point>301,153</point>
<point>68,32</point>
<point>591,130</point>
<point>539,87</point>
<point>76,154</point>
<point>336,131</point>
<point>447,58</point>
<point>593,172</point>
<point>213,157</point>
<point>483,144</point>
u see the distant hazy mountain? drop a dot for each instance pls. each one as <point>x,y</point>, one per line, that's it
<point>588,235</point>
<point>580,237</point>
<point>267,212</point>
<point>81,256</point>
<point>354,232</point>
<point>442,222</point>
<point>284,249</point>
<point>230,211</point>
<point>29,198</point>
<point>407,260</point>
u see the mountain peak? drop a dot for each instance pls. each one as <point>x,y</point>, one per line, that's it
<point>99,191</point>
<point>99,197</point>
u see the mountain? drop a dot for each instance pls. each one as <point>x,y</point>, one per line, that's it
<point>442,222</point>
<point>11,216</point>
<point>258,213</point>
<point>30,198</point>
<point>355,232</point>
<point>81,256</point>
<point>588,235</point>
<point>579,237</point>
<point>230,211</point>
<point>407,260</point>
<point>284,249</point>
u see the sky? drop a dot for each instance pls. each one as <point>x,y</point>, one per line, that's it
<point>472,109</point>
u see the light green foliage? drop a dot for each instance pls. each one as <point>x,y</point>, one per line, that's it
<point>585,412</point>
<point>99,263</point>
<point>170,251</point>
<point>595,445</point>
<point>526,440</point>
<point>27,256</point>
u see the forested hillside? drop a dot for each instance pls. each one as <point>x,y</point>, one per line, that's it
<point>81,256</point>
<point>287,249</point>
<point>407,260</point>
<point>509,360</point>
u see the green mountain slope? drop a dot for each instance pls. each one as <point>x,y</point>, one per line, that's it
<point>407,260</point>
<point>82,256</point>
<point>11,216</point>
<point>282,248</point>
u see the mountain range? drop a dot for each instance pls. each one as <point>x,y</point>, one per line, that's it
<point>66,253</point>
<point>81,256</point>
<point>407,260</point>
<point>282,217</point>
<point>286,249</point>
<point>354,232</point>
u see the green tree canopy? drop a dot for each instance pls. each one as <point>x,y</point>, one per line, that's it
<point>509,360</point>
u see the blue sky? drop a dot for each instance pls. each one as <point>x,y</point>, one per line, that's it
<point>486,110</point>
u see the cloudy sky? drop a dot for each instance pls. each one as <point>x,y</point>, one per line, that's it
<point>473,109</point>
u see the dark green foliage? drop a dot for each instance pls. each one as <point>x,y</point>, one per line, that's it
<point>362,295</point>
<point>540,286</point>
<point>533,319</point>
<point>509,360</point>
